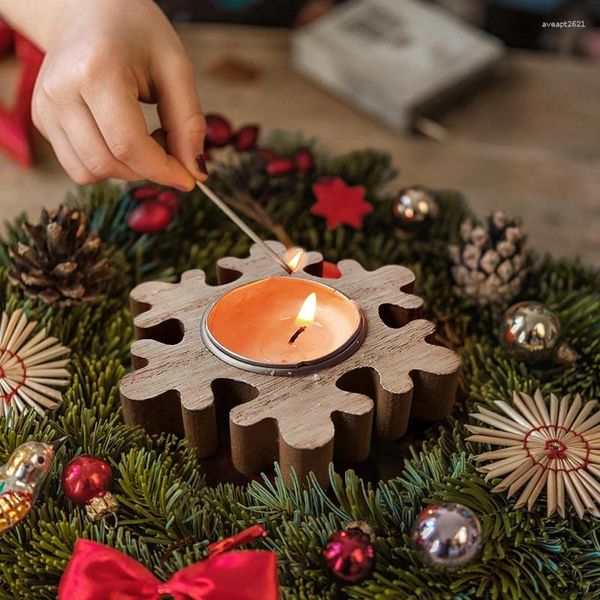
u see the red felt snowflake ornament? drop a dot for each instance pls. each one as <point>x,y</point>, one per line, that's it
<point>339,203</point>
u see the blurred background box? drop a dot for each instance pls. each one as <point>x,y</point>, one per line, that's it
<point>394,59</point>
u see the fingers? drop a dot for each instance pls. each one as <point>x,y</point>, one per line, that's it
<point>119,117</point>
<point>86,139</point>
<point>98,129</point>
<point>180,113</point>
<point>160,137</point>
<point>50,128</point>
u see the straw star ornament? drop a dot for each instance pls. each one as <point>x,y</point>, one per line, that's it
<point>32,366</point>
<point>556,447</point>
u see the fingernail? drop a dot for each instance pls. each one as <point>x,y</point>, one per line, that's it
<point>201,164</point>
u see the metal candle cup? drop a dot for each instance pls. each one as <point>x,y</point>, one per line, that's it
<point>260,327</point>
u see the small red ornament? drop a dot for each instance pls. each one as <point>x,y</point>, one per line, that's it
<point>170,199</point>
<point>149,217</point>
<point>246,137</point>
<point>339,203</point>
<point>331,270</point>
<point>304,161</point>
<point>280,166</point>
<point>218,131</point>
<point>349,555</point>
<point>86,481</point>
<point>145,192</point>
<point>267,154</point>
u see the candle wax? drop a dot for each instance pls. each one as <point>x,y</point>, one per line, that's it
<point>256,321</point>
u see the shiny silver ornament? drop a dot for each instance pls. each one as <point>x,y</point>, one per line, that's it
<point>530,332</point>
<point>447,536</point>
<point>414,208</point>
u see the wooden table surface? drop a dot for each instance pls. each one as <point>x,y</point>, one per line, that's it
<point>528,142</point>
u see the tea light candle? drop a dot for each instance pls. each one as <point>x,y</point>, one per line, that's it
<point>283,326</point>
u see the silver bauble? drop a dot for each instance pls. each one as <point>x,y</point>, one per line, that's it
<point>414,207</point>
<point>447,536</point>
<point>530,332</point>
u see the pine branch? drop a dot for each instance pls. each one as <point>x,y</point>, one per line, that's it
<point>164,497</point>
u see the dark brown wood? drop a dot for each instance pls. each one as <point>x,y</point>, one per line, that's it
<point>305,421</point>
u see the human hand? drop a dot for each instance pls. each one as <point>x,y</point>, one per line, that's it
<point>102,58</point>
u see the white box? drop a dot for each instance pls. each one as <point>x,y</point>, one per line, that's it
<point>393,58</point>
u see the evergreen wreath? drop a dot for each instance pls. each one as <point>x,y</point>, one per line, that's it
<point>163,494</point>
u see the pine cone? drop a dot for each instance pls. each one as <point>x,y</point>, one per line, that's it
<point>492,262</point>
<point>61,261</point>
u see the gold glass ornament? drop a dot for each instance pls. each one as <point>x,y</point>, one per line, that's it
<point>530,332</point>
<point>413,208</point>
<point>21,479</point>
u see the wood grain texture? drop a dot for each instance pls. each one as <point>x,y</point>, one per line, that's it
<point>179,386</point>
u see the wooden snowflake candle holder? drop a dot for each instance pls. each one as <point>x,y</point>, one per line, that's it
<point>178,385</point>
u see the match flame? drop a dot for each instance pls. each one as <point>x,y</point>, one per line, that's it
<point>294,262</point>
<point>308,311</point>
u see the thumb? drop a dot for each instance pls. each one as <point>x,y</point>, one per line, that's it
<point>181,117</point>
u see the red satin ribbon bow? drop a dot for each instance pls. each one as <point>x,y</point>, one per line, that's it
<point>98,572</point>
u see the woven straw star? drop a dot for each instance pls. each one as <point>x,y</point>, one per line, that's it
<point>29,369</point>
<point>554,447</point>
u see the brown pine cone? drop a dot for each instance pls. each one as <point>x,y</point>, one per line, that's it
<point>61,260</point>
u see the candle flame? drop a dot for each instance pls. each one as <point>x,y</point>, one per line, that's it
<point>294,262</point>
<point>308,311</point>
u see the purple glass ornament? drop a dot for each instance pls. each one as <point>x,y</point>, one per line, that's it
<point>349,555</point>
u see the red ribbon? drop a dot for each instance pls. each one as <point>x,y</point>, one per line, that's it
<point>98,572</point>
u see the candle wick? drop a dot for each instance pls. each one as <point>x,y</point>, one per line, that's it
<point>297,334</point>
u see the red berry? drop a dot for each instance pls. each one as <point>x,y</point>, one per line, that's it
<point>85,478</point>
<point>349,555</point>
<point>304,160</point>
<point>218,131</point>
<point>149,217</point>
<point>281,166</point>
<point>331,270</point>
<point>267,154</point>
<point>246,137</point>
<point>145,192</point>
<point>170,199</point>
